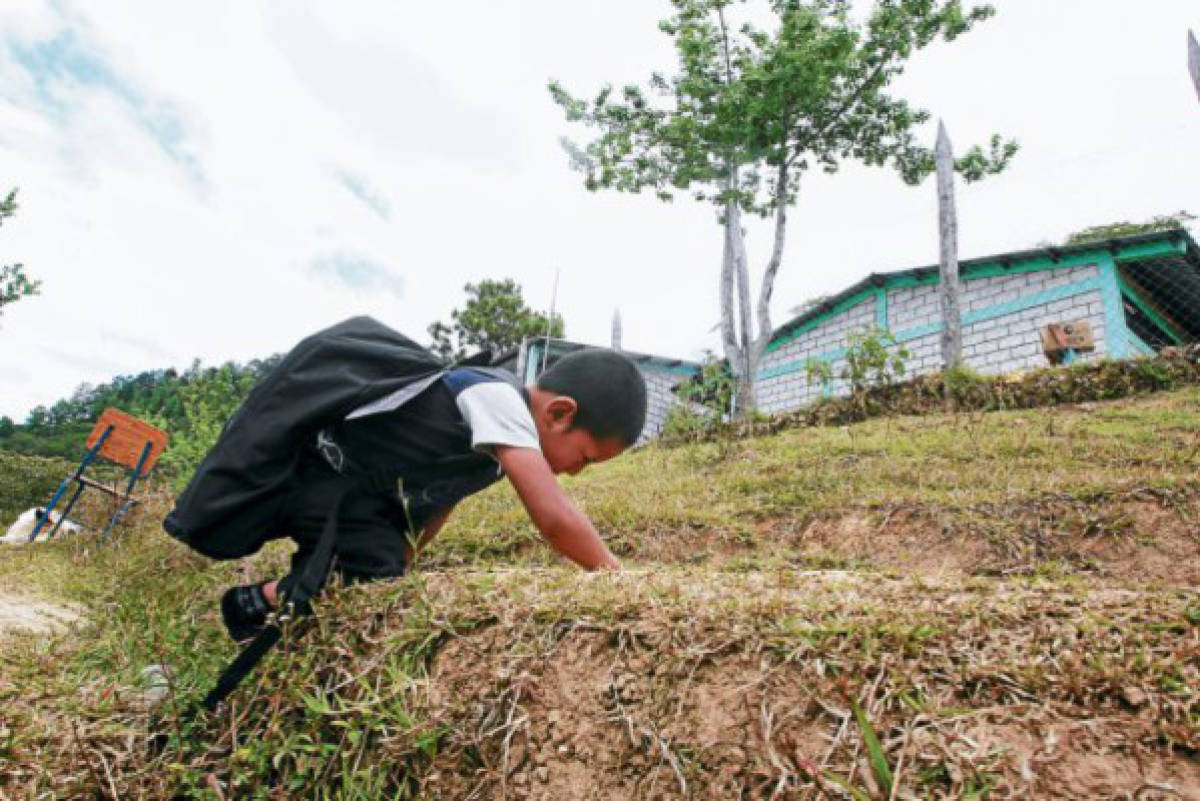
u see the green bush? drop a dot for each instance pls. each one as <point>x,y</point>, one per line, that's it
<point>706,401</point>
<point>27,481</point>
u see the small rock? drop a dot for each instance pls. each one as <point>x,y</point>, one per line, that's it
<point>554,717</point>
<point>543,774</point>
<point>157,679</point>
<point>1134,696</point>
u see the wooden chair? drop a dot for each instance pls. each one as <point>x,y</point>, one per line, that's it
<point>123,440</point>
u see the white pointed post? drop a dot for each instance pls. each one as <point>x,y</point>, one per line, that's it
<point>1194,61</point>
<point>616,330</point>
<point>948,231</point>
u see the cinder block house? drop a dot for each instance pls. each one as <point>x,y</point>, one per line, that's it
<point>1138,294</point>
<point>662,374</point>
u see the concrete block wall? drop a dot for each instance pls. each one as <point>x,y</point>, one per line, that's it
<point>659,398</point>
<point>1001,344</point>
<point>791,389</point>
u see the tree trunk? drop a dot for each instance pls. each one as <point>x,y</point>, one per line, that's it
<point>948,231</point>
<point>729,341</point>
<point>746,403</point>
<point>765,329</point>
<point>743,350</point>
<point>1194,60</point>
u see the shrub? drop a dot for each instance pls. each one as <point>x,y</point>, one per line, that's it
<point>27,481</point>
<point>706,401</point>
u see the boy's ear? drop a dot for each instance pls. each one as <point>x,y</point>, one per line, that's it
<point>561,411</point>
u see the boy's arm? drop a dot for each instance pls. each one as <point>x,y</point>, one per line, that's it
<point>567,529</point>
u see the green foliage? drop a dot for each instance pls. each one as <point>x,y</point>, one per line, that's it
<point>818,372</point>
<point>494,318</point>
<point>207,403</point>
<point>869,364</point>
<point>750,110</point>
<point>706,400</point>
<point>180,403</point>
<point>63,441</point>
<point>27,481</point>
<point>711,388</point>
<point>875,754</point>
<point>1102,233</point>
<point>963,386</point>
<point>14,284</point>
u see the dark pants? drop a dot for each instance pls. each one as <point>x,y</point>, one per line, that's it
<point>372,530</point>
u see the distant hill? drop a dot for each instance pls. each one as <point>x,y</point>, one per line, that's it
<point>167,397</point>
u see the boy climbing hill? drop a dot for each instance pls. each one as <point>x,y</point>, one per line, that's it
<point>359,445</point>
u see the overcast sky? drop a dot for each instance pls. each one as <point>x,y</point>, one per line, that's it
<point>217,180</point>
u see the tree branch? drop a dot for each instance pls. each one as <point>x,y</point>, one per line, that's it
<point>768,282</point>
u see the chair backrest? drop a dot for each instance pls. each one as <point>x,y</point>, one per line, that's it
<point>125,444</point>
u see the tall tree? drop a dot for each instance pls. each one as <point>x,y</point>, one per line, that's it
<point>750,111</point>
<point>1194,61</point>
<point>14,284</point>
<point>494,318</point>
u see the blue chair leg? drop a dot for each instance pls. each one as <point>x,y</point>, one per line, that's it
<point>62,488</point>
<point>66,512</point>
<point>125,501</point>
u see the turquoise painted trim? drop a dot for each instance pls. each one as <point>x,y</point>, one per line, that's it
<point>678,370</point>
<point>968,318</point>
<point>845,305</point>
<point>881,308</point>
<point>1152,250</point>
<point>788,368</point>
<point>1139,344</point>
<point>1131,294</point>
<point>1116,332</point>
<point>1029,301</point>
<point>533,358</point>
<point>991,269</point>
<point>909,334</point>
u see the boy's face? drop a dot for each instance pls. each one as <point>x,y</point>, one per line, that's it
<point>566,449</point>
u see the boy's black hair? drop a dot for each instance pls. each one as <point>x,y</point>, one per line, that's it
<point>608,388</point>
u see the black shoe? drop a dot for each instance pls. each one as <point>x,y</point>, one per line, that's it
<point>244,611</point>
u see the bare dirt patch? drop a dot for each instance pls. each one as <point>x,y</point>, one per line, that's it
<point>1137,537</point>
<point>971,688</point>
<point>35,616</point>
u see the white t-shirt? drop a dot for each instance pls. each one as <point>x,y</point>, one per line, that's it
<point>497,415</point>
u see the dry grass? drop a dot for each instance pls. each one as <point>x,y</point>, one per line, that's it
<point>1008,600</point>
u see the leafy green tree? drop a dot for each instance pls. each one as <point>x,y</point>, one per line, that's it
<point>751,111</point>
<point>208,401</point>
<point>494,318</point>
<point>7,427</point>
<point>14,284</point>
<point>1100,233</point>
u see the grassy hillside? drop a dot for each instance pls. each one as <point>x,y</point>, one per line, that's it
<point>996,605</point>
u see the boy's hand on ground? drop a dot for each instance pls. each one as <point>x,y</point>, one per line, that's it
<point>560,522</point>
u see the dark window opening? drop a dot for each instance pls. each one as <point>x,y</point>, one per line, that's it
<point>1145,328</point>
